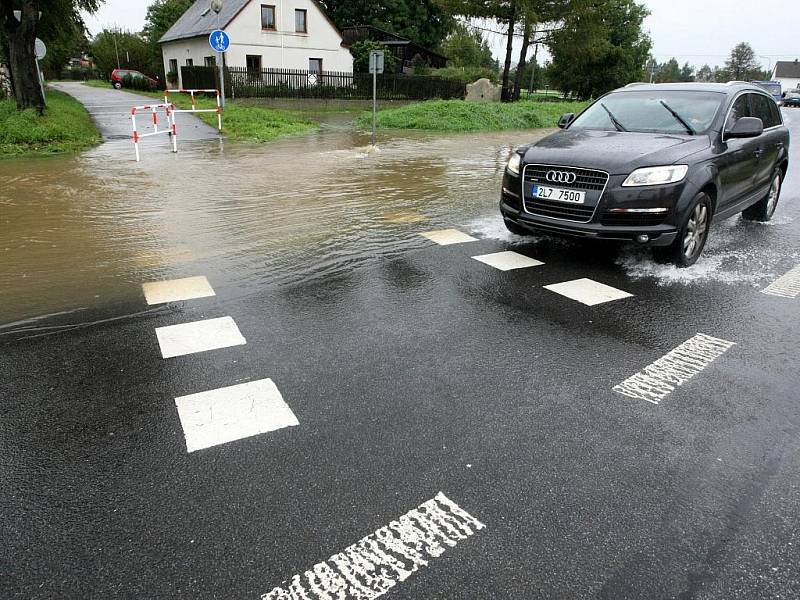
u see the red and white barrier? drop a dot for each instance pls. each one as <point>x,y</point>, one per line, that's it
<point>171,129</point>
<point>194,108</point>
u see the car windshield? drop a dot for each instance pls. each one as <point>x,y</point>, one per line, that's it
<point>670,112</point>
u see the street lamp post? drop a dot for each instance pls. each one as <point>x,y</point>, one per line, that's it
<point>216,6</point>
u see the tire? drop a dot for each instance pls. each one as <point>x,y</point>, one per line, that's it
<point>765,208</point>
<point>692,236</point>
<point>516,229</point>
<point>117,85</point>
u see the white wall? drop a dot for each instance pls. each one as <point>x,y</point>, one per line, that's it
<point>788,83</point>
<point>281,49</point>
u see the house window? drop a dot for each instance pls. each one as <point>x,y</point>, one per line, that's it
<point>268,17</point>
<point>189,62</point>
<point>210,61</point>
<point>315,65</point>
<point>253,66</point>
<point>301,20</point>
<point>173,65</point>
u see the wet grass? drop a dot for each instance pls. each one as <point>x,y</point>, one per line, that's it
<point>65,128</point>
<point>457,115</point>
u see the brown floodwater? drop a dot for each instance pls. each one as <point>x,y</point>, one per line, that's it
<point>81,233</point>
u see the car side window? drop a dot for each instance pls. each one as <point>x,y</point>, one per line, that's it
<point>776,113</point>
<point>763,110</point>
<point>741,108</point>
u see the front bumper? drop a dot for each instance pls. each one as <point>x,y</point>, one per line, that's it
<point>660,230</point>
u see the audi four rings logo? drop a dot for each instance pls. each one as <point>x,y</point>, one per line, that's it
<point>561,177</point>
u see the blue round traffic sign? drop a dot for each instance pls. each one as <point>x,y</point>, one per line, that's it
<point>219,40</point>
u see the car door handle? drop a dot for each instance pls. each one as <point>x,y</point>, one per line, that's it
<point>758,153</point>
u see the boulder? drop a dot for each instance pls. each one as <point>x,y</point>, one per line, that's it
<point>483,90</point>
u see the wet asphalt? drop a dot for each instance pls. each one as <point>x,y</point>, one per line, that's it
<point>111,110</point>
<point>414,371</point>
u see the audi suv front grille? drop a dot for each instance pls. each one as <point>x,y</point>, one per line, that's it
<point>591,181</point>
<point>585,179</point>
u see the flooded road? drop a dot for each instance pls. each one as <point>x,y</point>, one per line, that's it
<point>83,233</point>
<point>602,426</point>
<point>80,234</point>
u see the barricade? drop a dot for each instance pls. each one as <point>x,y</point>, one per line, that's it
<point>194,108</point>
<point>171,129</point>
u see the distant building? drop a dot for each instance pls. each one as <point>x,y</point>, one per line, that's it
<point>270,34</point>
<point>788,73</point>
<point>404,50</point>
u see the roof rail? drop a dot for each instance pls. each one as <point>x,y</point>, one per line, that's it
<point>734,82</point>
<point>635,83</point>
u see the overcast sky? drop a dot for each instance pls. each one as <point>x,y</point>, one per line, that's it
<point>697,31</point>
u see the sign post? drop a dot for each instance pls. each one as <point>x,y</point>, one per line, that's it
<point>220,42</point>
<point>41,51</point>
<point>376,61</point>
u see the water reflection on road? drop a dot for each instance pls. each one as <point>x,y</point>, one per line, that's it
<point>84,232</point>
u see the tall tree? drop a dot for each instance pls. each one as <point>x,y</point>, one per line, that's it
<point>467,48</point>
<point>113,48</point>
<point>161,15</point>
<point>18,37</point>
<point>422,21</point>
<point>705,74</point>
<point>742,63</point>
<point>601,46</point>
<point>505,12</point>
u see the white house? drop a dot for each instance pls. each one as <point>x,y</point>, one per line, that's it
<point>267,34</point>
<point>788,73</point>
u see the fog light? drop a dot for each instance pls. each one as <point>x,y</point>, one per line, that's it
<point>642,239</point>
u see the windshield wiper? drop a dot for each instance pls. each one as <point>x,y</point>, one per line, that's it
<point>678,117</point>
<point>617,124</point>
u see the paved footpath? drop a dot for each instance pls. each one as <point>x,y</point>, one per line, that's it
<point>111,109</point>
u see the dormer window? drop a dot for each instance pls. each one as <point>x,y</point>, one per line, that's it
<point>268,17</point>
<point>301,20</point>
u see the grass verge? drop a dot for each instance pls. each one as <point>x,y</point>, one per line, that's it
<point>457,115</point>
<point>65,127</point>
<point>240,122</point>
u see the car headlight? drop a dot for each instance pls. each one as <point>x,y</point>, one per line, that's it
<point>514,162</point>
<point>656,175</point>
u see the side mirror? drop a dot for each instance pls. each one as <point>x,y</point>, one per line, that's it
<point>565,120</point>
<point>746,127</point>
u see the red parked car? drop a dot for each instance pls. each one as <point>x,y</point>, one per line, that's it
<point>119,79</point>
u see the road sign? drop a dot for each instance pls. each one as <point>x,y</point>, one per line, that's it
<point>376,61</point>
<point>40,49</point>
<point>219,40</point>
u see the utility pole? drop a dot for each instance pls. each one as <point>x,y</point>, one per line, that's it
<point>116,52</point>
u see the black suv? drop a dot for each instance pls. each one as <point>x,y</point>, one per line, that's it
<point>652,164</point>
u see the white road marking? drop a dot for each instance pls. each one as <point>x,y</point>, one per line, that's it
<point>588,291</point>
<point>787,286</point>
<point>232,413</point>
<point>375,564</point>
<point>507,261</point>
<point>189,288</point>
<point>663,377</point>
<point>199,336</point>
<point>445,237</point>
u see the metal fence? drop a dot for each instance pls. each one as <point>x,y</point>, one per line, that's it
<point>292,83</point>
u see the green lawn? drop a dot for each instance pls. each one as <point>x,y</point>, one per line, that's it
<point>457,115</point>
<point>240,122</point>
<point>64,128</point>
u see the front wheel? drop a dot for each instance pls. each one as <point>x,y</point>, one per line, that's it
<point>765,208</point>
<point>117,85</point>
<point>692,236</point>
